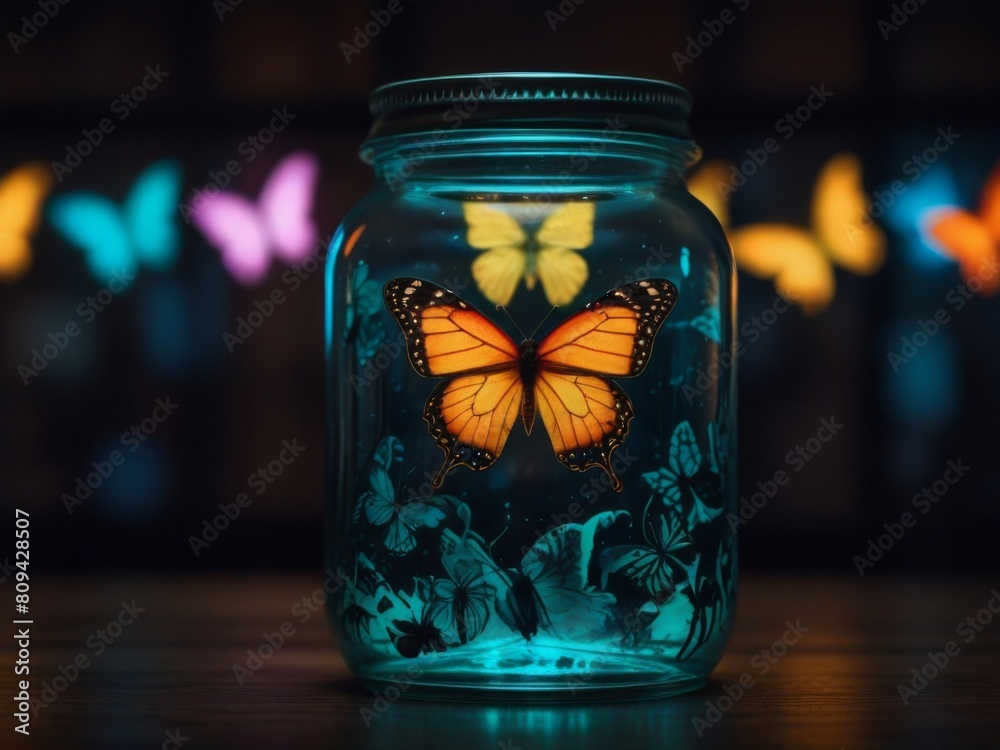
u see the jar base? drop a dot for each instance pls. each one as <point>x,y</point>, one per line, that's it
<point>534,675</point>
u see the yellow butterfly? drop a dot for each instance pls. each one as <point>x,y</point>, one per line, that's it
<point>21,195</point>
<point>801,261</point>
<point>548,255</point>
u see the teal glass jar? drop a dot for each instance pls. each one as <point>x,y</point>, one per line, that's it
<point>531,406</point>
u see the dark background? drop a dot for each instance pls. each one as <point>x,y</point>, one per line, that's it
<point>163,337</point>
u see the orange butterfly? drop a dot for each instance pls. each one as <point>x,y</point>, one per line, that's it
<point>971,239</point>
<point>489,379</point>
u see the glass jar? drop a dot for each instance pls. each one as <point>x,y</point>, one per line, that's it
<point>531,412</point>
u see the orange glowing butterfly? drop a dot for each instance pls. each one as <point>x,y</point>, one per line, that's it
<point>489,379</point>
<point>973,240</point>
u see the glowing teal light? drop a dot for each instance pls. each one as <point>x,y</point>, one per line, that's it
<point>926,391</point>
<point>177,321</point>
<point>137,489</point>
<point>934,189</point>
<point>685,262</point>
<point>116,239</point>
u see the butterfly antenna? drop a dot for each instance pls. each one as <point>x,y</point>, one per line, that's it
<point>399,483</point>
<point>511,317</point>
<point>646,520</point>
<point>542,322</point>
<point>490,548</point>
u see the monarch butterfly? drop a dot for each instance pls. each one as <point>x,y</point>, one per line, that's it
<point>489,379</point>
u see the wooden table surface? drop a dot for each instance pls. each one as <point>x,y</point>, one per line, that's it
<point>171,671</point>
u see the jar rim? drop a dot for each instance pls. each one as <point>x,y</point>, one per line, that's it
<point>530,99</point>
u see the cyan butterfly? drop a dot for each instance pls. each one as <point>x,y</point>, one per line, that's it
<point>141,232</point>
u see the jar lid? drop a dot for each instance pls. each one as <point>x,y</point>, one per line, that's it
<point>537,100</point>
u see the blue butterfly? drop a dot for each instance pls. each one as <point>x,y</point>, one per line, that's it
<point>119,239</point>
<point>382,507</point>
<point>658,568</point>
<point>675,481</point>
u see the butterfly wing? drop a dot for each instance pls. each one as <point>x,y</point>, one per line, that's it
<point>642,564</point>
<point>839,203</point>
<point>502,265</point>
<point>586,418</point>
<point>989,203</point>
<point>497,272</point>
<point>150,209</point>
<point>470,418</point>
<point>556,566</point>
<point>586,415</point>
<point>471,414</point>
<point>233,225</point>
<point>400,539</point>
<point>562,272</point>
<point>286,202</point>
<point>790,256</point>
<point>21,195</point>
<point>709,183</point>
<point>685,456</point>
<point>96,226</point>
<point>444,333</point>
<point>560,268</point>
<point>967,239</point>
<point>380,500</point>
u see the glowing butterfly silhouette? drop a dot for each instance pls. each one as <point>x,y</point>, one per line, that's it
<point>548,255</point>
<point>971,239</point>
<point>247,234</point>
<point>119,239</point>
<point>936,188</point>
<point>800,260</point>
<point>21,195</point>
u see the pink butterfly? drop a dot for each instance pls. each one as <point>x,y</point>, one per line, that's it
<point>247,234</point>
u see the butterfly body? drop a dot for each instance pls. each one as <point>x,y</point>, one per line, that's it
<point>563,378</point>
<point>523,608</point>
